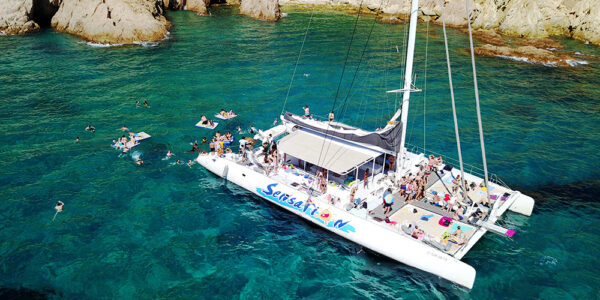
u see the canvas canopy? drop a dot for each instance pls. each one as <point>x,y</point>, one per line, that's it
<point>324,152</point>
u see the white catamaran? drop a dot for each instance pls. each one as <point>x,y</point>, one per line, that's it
<point>317,170</point>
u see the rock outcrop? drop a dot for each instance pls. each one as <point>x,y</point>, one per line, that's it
<point>197,6</point>
<point>528,54</point>
<point>100,21</point>
<point>579,19</point>
<point>112,21</point>
<point>23,16</point>
<point>267,10</point>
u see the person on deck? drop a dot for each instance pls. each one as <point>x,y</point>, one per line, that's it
<point>387,207</point>
<point>331,116</point>
<point>366,179</point>
<point>306,112</point>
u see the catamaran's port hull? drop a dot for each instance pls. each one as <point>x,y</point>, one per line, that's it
<point>376,237</point>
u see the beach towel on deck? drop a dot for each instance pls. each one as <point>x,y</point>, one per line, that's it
<point>141,136</point>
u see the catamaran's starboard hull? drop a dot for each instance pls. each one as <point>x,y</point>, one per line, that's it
<point>378,238</point>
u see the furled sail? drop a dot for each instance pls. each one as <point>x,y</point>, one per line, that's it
<point>387,138</point>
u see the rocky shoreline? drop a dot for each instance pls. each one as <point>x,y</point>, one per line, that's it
<point>135,21</point>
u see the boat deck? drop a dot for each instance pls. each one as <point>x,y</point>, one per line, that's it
<point>422,212</point>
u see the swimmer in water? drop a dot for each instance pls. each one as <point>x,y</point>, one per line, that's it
<point>137,103</point>
<point>190,163</point>
<point>177,162</point>
<point>124,128</point>
<point>204,140</point>
<point>90,128</point>
<point>252,130</point>
<point>139,162</point>
<point>239,129</point>
<point>169,154</point>
<point>77,140</point>
<point>59,206</point>
<point>146,103</point>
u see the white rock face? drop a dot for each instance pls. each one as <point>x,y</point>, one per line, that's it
<point>579,19</point>
<point>261,9</point>
<point>197,6</point>
<point>14,17</point>
<point>112,21</point>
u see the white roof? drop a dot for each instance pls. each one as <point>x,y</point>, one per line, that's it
<point>332,155</point>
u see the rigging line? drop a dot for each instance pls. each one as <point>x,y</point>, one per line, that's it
<point>344,106</point>
<point>460,160</point>
<point>347,53</point>
<point>425,87</point>
<point>341,77</point>
<point>485,172</point>
<point>297,60</point>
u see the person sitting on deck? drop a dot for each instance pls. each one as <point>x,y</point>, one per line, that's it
<point>231,113</point>
<point>223,113</point>
<point>331,116</point>
<point>306,112</point>
<point>439,161</point>
<point>432,162</point>
<point>418,233</point>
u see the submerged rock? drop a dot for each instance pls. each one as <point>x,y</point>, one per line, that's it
<point>261,9</point>
<point>112,21</point>
<point>528,54</point>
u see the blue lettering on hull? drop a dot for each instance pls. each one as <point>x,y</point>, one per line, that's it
<point>313,211</point>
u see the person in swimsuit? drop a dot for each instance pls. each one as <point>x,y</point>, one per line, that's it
<point>90,128</point>
<point>124,128</point>
<point>190,163</point>
<point>331,116</point>
<point>77,140</point>
<point>139,162</point>
<point>59,206</point>
<point>223,113</point>
<point>146,103</point>
<point>306,112</point>
<point>239,129</point>
<point>195,147</point>
<point>231,113</point>
<point>204,140</point>
<point>203,120</point>
<point>169,154</point>
<point>252,130</point>
<point>137,103</point>
<point>212,124</point>
<point>366,179</point>
<point>211,146</point>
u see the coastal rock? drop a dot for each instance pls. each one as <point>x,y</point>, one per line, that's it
<point>267,10</point>
<point>112,21</point>
<point>197,6</point>
<point>22,16</point>
<point>528,54</point>
<point>579,19</point>
<point>14,17</point>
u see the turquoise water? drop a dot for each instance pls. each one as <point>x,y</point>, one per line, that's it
<point>170,231</point>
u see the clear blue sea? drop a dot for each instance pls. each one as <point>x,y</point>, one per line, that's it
<point>171,231</point>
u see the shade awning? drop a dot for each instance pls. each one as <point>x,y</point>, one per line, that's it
<point>332,155</point>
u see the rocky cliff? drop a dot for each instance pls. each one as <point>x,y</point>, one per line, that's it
<point>261,9</point>
<point>101,21</point>
<point>579,19</point>
<point>112,21</point>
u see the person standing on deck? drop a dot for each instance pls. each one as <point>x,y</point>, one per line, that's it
<point>331,116</point>
<point>366,179</point>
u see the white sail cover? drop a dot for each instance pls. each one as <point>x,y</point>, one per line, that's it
<point>387,138</point>
<point>325,152</point>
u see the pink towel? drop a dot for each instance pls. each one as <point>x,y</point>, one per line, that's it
<point>510,232</point>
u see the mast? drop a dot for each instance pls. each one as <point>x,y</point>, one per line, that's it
<point>403,111</point>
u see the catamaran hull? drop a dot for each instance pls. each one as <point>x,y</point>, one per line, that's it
<point>378,238</point>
